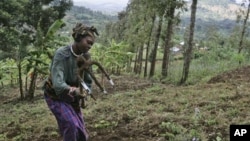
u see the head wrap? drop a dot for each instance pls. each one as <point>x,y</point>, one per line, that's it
<point>82,30</point>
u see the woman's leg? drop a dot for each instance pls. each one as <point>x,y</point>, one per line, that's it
<point>70,121</point>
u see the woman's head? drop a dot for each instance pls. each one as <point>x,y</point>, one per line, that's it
<point>84,37</point>
<point>81,31</point>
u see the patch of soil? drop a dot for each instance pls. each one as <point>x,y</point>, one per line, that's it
<point>121,84</point>
<point>234,76</point>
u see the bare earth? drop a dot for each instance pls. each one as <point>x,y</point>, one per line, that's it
<point>124,83</point>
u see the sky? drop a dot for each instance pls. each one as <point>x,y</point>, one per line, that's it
<point>103,5</point>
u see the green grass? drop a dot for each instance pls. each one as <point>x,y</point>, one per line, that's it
<point>201,70</point>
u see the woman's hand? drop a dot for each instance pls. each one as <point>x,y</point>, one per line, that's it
<point>78,94</point>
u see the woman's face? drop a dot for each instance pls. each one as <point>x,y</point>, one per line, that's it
<point>85,44</point>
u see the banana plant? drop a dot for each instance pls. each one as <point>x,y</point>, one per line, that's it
<point>8,71</point>
<point>44,45</point>
<point>115,57</point>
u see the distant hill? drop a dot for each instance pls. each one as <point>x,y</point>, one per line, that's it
<point>88,17</point>
<point>220,14</point>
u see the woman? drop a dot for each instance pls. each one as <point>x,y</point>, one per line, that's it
<point>61,89</point>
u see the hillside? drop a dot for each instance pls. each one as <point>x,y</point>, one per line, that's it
<point>210,13</point>
<point>88,17</point>
<point>220,14</point>
<point>139,110</point>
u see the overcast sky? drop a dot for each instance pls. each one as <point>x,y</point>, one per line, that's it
<point>101,1</point>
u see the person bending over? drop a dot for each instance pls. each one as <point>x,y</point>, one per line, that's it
<point>61,89</point>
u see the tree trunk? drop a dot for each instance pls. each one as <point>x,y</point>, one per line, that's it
<point>148,45</point>
<point>140,58</point>
<point>136,61</point>
<point>166,54</point>
<point>26,84</point>
<point>11,79</point>
<point>129,67</point>
<point>32,86</point>
<point>154,52</point>
<point>243,31</point>
<point>20,80</point>
<point>188,52</point>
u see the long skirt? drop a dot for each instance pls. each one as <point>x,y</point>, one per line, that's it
<point>69,120</point>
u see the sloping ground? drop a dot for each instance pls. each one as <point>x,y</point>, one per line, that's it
<point>139,110</point>
<point>238,75</point>
<point>122,84</point>
<point>220,103</point>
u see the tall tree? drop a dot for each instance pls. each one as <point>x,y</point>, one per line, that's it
<point>172,19</point>
<point>170,15</point>
<point>41,16</point>
<point>138,24</point>
<point>154,51</point>
<point>134,27</point>
<point>16,35</point>
<point>148,45</point>
<point>159,7</point>
<point>244,27</point>
<point>189,50</point>
<point>23,39</point>
<point>10,19</point>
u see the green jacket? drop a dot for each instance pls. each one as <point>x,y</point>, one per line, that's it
<point>64,71</point>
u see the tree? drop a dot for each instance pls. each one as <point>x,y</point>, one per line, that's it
<point>42,14</point>
<point>43,44</point>
<point>170,15</point>
<point>25,23</point>
<point>188,51</point>
<point>154,51</point>
<point>136,27</point>
<point>243,30</point>
<point>10,20</point>
<point>16,33</point>
<point>172,19</point>
<point>148,45</point>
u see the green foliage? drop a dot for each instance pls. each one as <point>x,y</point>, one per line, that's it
<point>212,62</point>
<point>105,124</point>
<point>46,12</point>
<point>8,71</point>
<point>239,57</point>
<point>19,21</point>
<point>53,29</point>
<point>115,56</point>
<point>40,57</point>
<point>171,127</point>
<point>10,11</point>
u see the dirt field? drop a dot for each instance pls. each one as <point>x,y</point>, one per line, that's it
<point>230,80</point>
<point>119,116</point>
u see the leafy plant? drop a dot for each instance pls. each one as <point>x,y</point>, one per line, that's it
<point>115,57</point>
<point>105,124</point>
